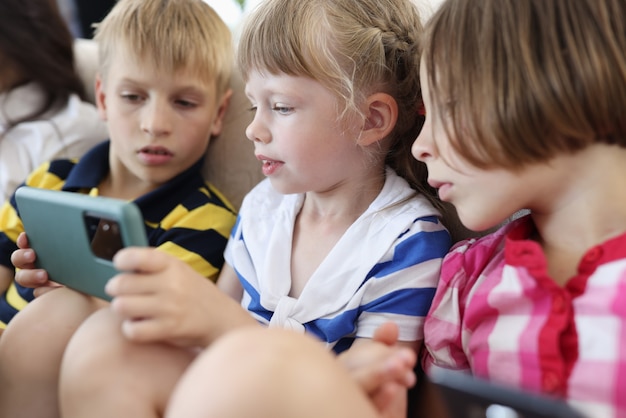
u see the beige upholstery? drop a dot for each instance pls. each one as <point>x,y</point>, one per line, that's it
<point>230,164</point>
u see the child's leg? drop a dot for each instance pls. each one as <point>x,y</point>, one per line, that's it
<point>268,373</point>
<point>105,375</point>
<point>31,350</point>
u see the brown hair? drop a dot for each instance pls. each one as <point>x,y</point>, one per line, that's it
<point>528,79</point>
<point>36,43</point>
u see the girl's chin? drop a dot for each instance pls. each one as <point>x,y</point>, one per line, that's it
<point>477,224</point>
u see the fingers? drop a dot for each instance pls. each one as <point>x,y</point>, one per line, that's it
<point>397,367</point>
<point>135,306</point>
<point>142,259</point>
<point>23,258</point>
<point>131,284</point>
<point>387,333</point>
<point>144,330</point>
<point>391,401</point>
<point>31,278</point>
<point>375,364</point>
<point>22,240</point>
<point>27,274</point>
<point>147,271</point>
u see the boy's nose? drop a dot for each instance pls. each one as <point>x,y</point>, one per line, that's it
<point>155,119</point>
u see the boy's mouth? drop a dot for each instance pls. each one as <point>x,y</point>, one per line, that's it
<point>155,155</point>
<point>155,151</point>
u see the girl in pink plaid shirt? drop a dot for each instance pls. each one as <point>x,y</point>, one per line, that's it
<point>525,105</point>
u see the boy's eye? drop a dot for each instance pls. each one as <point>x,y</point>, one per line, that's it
<point>186,103</point>
<point>131,97</point>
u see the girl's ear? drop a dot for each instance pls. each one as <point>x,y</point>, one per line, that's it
<point>380,118</point>
<point>100,97</point>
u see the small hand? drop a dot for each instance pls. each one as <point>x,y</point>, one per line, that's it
<point>28,275</point>
<point>162,299</point>
<point>383,369</point>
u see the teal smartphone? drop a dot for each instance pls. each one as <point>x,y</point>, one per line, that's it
<point>75,236</point>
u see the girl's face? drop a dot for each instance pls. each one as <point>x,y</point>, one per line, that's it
<point>483,197</point>
<point>296,134</point>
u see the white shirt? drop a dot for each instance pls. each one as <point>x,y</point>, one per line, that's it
<point>385,267</point>
<point>66,133</point>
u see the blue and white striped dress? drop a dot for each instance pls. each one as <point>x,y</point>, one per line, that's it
<point>385,267</point>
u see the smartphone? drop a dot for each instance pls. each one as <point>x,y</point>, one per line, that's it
<point>462,395</point>
<point>75,236</point>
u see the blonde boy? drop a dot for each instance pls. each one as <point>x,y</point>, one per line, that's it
<point>162,88</point>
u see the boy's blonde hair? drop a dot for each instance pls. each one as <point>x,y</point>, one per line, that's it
<point>352,47</point>
<point>173,34</point>
<point>525,80</point>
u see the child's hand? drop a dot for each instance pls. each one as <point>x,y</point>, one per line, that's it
<point>27,274</point>
<point>383,369</point>
<point>162,299</point>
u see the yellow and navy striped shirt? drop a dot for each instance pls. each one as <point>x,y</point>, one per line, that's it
<point>186,217</point>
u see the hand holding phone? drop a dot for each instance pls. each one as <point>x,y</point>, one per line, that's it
<point>75,236</point>
<point>27,274</point>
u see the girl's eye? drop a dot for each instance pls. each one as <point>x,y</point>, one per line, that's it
<point>283,110</point>
<point>252,109</point>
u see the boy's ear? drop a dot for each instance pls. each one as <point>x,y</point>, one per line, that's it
<point>380,118</point>
<point>100,97</point>
<point>218,121</point>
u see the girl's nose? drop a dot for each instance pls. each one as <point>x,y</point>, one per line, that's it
<point>422,148</point>
<point>257,131</point>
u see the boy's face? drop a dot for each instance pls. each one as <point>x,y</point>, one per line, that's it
<point>159,123</point>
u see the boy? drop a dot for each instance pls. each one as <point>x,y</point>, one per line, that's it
<point>162,88</point>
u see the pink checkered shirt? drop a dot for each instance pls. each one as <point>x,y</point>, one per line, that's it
<point>498,314</point>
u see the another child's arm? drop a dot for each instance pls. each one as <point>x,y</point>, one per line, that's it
<point>444,331</point>
<point>161,298</point>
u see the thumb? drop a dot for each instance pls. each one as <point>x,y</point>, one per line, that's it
<point>387,333</point>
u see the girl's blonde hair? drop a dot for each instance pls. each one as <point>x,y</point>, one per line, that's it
<point>524,80</point>
<point>173,34</point>
<point>352,47</point>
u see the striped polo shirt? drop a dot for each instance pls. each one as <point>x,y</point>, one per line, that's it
<point>186,217</point>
